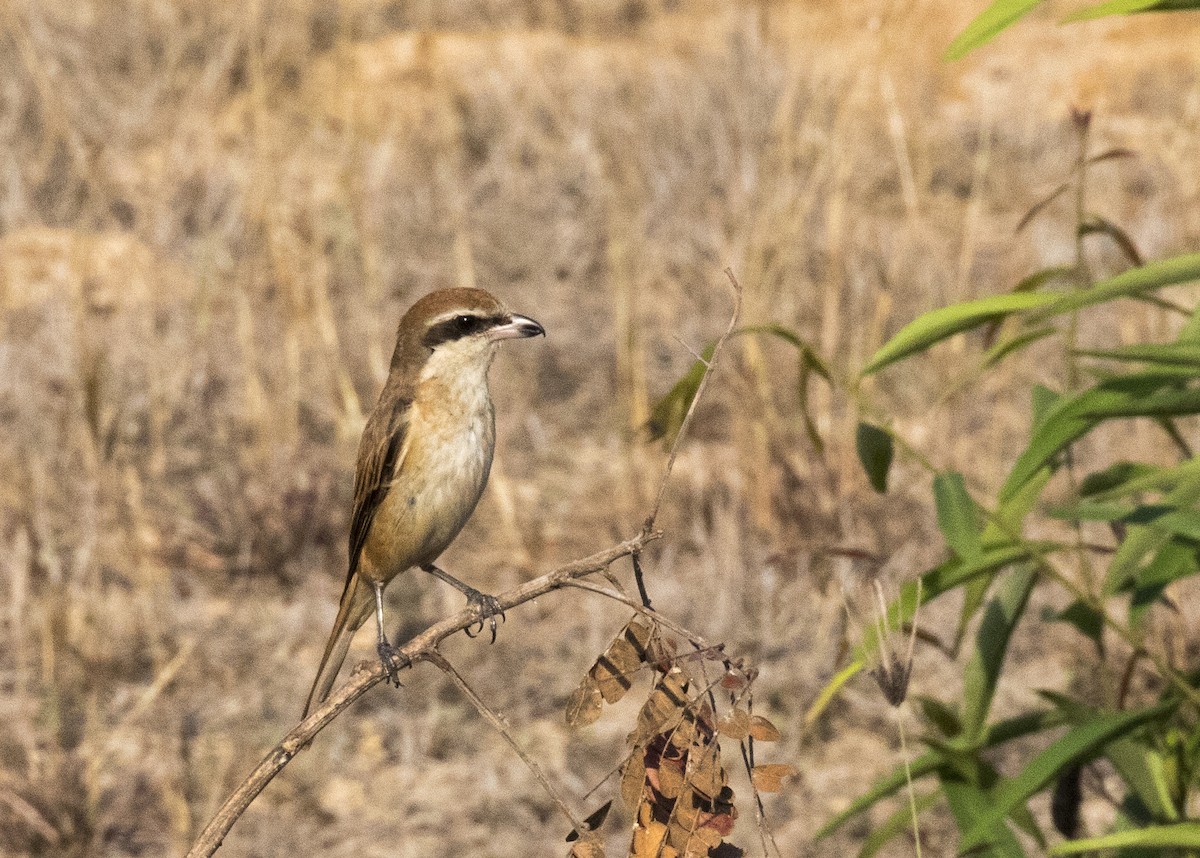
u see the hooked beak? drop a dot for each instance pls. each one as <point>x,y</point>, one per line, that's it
<point>518,328</point>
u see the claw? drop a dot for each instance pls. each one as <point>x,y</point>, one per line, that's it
<point>387,656</point>
<point>489,609</point>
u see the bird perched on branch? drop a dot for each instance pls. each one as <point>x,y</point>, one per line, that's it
<point>423,461</point>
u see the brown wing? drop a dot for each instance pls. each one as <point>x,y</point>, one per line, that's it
<point>381,447</point>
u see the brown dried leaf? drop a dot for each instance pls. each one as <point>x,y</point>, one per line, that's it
<point>663,706</point>
<point>648,839</point>
<point>736,725</point>
<point>661,652</point>
<point>722,823</point>
<point>763,730</point>
<point>584,704</point>
<point>685,733</point>
<point>707,835</point>
<point>639,633</point>
<point>613,672</point>
<point>770,778</point>
<point>633,781</point>
<point>732,682</point>
<point>670,780</point>
<point>686,813</point>
<point>708,777</point>
<point>691,833</point>
<point>624,657</point>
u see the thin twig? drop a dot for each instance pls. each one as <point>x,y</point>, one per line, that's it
<point>692,638</point>
<point>438,660</point>
<point>369,674</point>
<point>687,418</point>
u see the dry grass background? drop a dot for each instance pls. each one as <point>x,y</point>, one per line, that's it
<point>212,216</point>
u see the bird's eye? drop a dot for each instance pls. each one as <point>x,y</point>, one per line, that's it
<point>463,323</point>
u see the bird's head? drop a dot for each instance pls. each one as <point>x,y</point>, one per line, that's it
<point>455,332</point>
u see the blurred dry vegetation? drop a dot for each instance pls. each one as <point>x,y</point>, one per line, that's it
<point>212,215</point>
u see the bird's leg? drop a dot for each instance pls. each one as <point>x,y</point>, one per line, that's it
<point>489,606</point>
<point>386,651</point>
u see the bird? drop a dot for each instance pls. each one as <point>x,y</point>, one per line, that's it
<point>423,461</point>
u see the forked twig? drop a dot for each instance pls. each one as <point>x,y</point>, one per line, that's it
<point>369,674</point>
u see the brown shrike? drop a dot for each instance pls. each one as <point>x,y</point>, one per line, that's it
<point>423,460</point>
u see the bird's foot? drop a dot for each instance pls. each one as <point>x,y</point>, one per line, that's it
<point>489,608</point>
<point>388,656</point>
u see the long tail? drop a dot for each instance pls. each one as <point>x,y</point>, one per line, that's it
<point>356,605</point>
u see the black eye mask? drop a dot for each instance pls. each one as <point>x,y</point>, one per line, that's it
<point>457,327</point>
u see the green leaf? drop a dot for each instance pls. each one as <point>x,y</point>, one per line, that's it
<point>808,353</point>
<point>993,19</point>
<point>1014,344</point>
<point>666,417</point>
<point>1144,770</point>
<point>991,644</point>
<point>1179,835</point>
<point>831,689</point>
<point>1174,560</point>
<point>940,715</point>
<point>1151,478</point>
<point>875,452</point>
<point>1071,417</point>
<point>888,785</point>
<point>1132,403</point>
<point>1141,540</point>
<point>1127,284</point>
<point>1190,332</point>
<point>958,517</point>
<point>1007,521</point>
<point>1042,401</point>
<point>970,804</point>
<point>1077,744</point>
<point>1126,7</point>
<point>1039,279</point>
<point>974,592</point>
<point>999,733</point>
<point>1113,477</point>
<point>810,425</point>
<point>1086,619</point>
<point>937,325</point>
<point>1178,522</point>
<point>1171,354</point>
<point>1091,511</point>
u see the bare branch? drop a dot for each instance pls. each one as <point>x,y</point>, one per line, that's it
<point>369,674</point>
<point>687,418</point>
